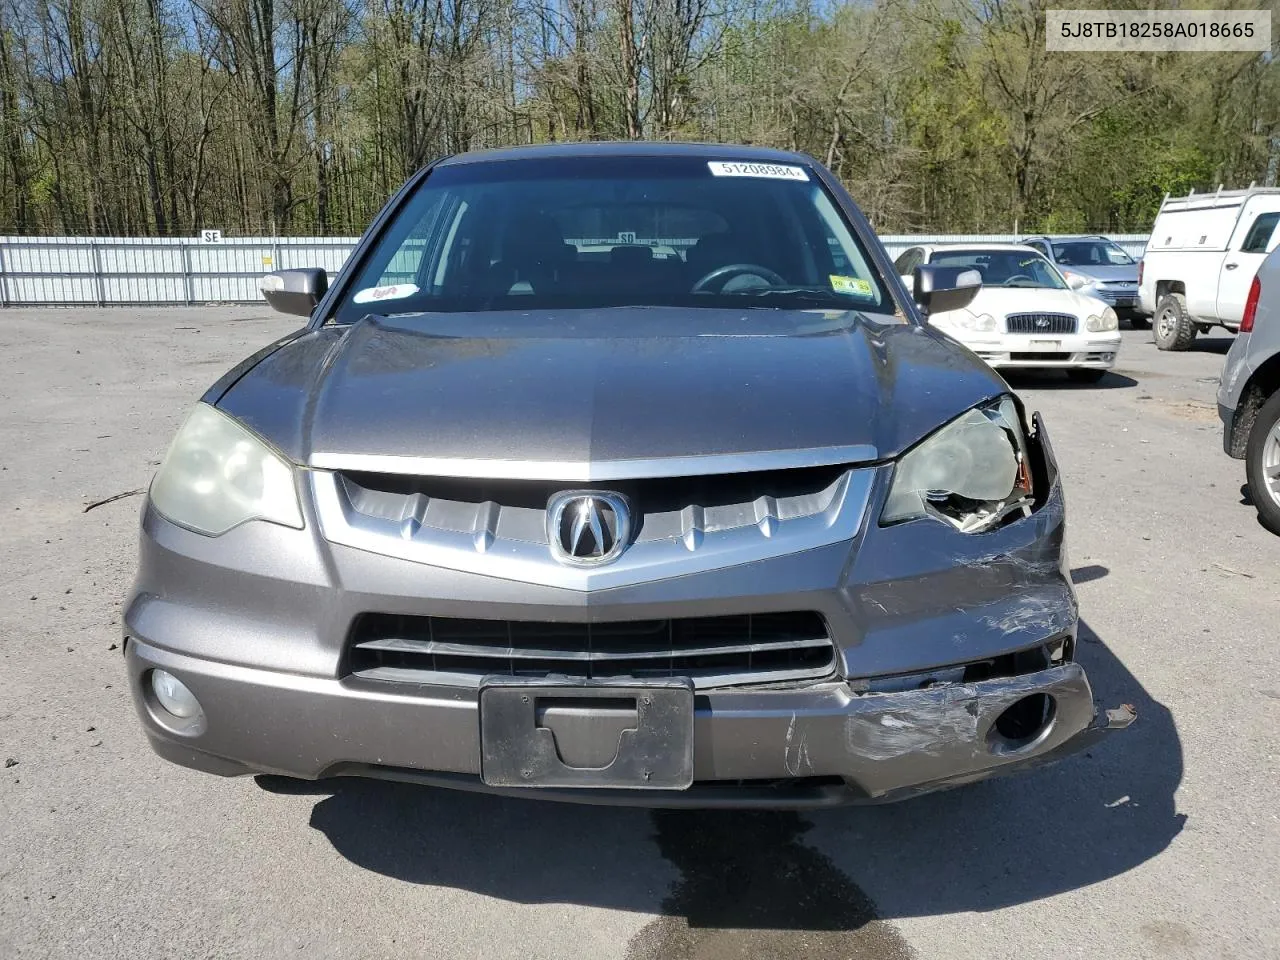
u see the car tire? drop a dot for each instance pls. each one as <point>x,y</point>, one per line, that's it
<point>1086,375</point>
<point>1174,330</point>
<point>1262,457</point>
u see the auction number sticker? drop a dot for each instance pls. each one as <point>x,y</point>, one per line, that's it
<point>769,171</point>
<point>396,291</point>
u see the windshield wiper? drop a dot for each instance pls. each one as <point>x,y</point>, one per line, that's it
<point>804,294</point>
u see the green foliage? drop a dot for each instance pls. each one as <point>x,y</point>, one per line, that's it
<point>1063,221</point>
<point>138,116</point>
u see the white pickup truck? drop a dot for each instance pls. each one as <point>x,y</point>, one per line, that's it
<point>1202,256</point>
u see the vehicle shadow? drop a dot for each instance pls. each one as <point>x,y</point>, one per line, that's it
<point>1014,840</point>
<point>1089,573</point>
<point>1207,344</point>
<point>1009,841</point>
<point>1058,380</point>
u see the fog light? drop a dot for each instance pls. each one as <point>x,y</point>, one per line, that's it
<point>174,695</point>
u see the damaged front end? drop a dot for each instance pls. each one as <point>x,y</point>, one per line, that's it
<point>962,599</point>
<point>950,733</point>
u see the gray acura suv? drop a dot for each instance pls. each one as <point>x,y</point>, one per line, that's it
<point>618,473</point>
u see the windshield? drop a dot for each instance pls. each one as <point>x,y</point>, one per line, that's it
<point>1004,268</point>
<point>615,231</point>
<point>1090,253</point>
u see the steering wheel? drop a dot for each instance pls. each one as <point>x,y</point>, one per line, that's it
<point>715,280</point>
<point>1018,276</point>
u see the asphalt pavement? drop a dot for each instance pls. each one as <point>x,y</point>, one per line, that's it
<point>1163,841</point>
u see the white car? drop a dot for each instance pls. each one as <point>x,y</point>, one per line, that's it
<point>1025,315</point>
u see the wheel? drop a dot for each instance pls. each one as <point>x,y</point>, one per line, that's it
<point>1174,329</point>
<point>1262,463</point>
<point>1140,323</point>
<point>1086,375</point>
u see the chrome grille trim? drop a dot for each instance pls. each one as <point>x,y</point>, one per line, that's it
<point>1054,323</point>
<point>590,471</point>
<point>487,520</point>
<point>731,650</point>
<point>496,541</point>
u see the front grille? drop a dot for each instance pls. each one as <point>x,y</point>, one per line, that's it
<point>712,651</point>
<point>662,508</point>
<point>1118,296</point>
<point>1041,323</point>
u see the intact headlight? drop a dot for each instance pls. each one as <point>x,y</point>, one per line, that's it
<point>964,320</point>
<point>972,473</point>
<point>217,475</point>
<point>1102,322</point>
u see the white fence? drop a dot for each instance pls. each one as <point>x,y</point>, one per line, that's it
<point>131,270</point>
<point>37,271</point>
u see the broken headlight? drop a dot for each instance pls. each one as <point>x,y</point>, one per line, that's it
<point>973,473</point>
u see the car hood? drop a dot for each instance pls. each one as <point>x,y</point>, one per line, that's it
<point>1127,273</point>
<point>1002,301</point>
<point>606,385</point>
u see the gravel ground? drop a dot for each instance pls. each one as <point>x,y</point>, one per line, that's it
<point>1163,841</point>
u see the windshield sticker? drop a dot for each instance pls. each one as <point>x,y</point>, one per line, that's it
<point>769,171</point>
<point>852,285</point>
<point>397,291</point>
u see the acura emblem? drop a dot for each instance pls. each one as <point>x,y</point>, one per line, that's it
<point>586,527</point>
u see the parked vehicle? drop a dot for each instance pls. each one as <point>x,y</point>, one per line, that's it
<point>1201,259</point>
<point>1096,267</point>
<point>1025,315</point>
<point>1249,394</point>
<point>514,511</point>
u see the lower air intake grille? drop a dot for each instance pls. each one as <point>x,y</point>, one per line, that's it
<point>712,651</point>
<point>1041,323</point>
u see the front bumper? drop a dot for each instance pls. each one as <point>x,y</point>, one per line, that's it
<point>1093,351</point>
<point>879,745</point>
<point>256,624</point>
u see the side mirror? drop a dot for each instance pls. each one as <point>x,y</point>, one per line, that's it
<point>1075,281</point>
<point>939,289</point>
<point>294,291</point>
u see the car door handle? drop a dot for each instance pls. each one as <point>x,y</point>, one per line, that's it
<point>1230,266</point>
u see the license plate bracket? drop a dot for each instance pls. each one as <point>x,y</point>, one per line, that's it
<point>1047,345</point>
<point>629,734</point>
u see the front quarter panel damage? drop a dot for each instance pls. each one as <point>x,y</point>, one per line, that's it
<point>923,595</point>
